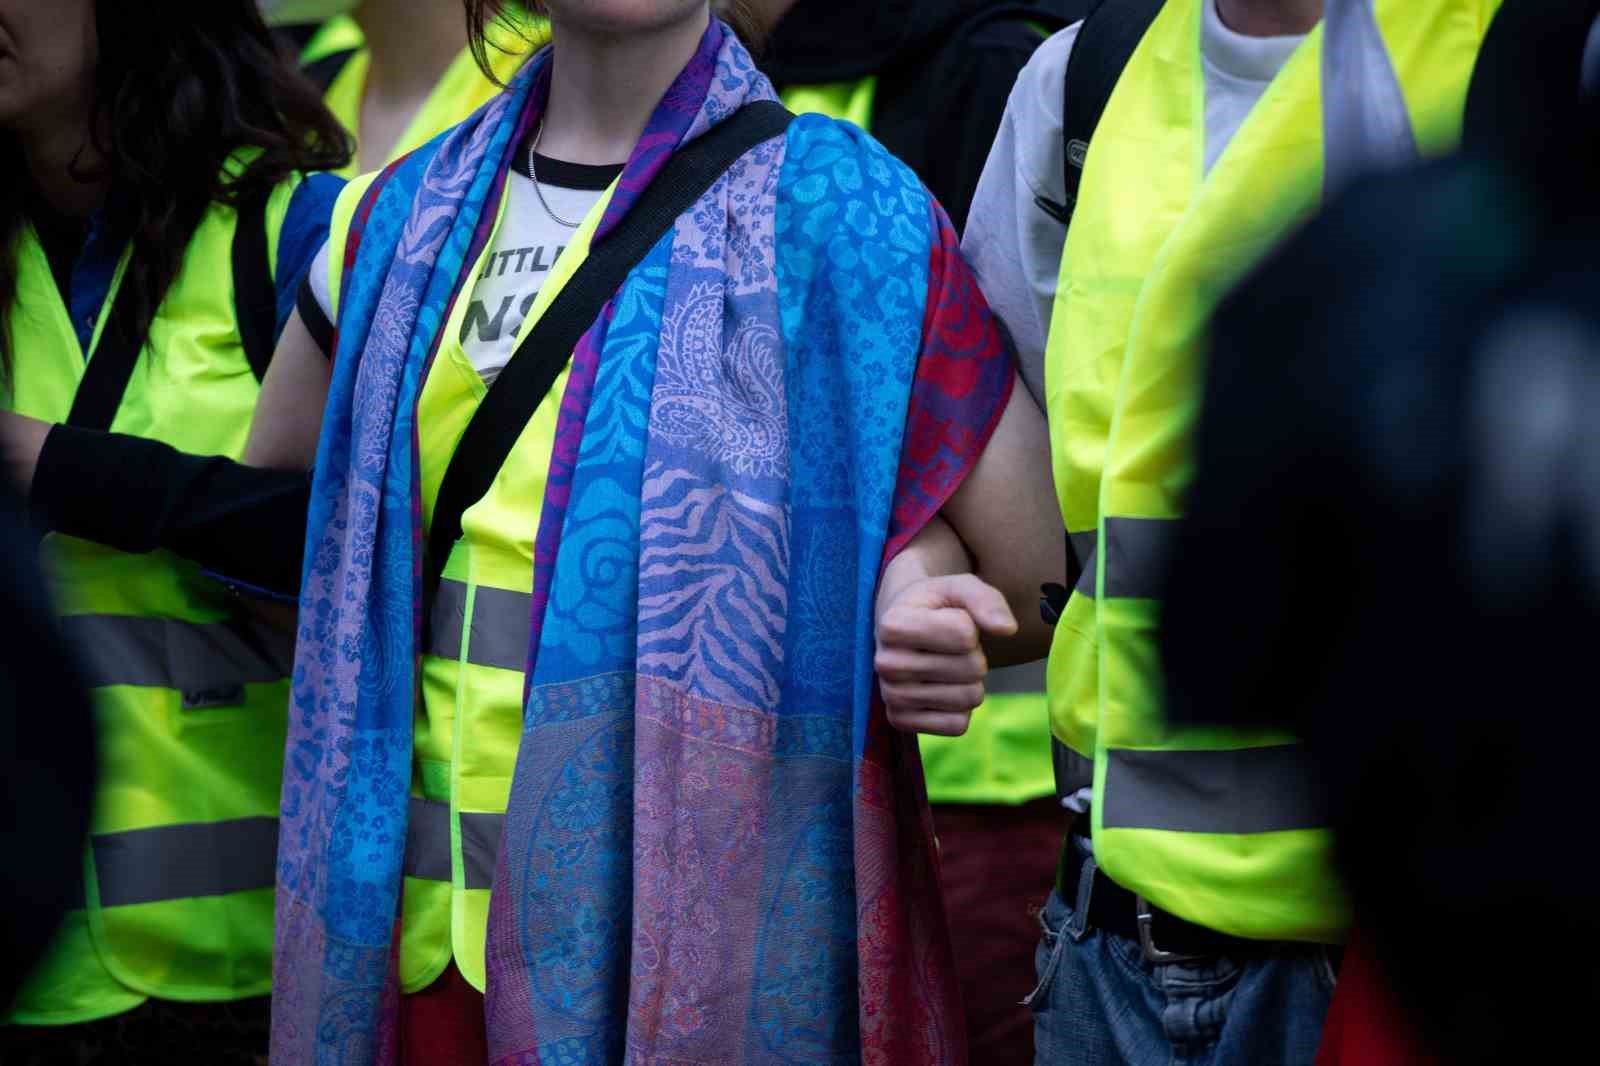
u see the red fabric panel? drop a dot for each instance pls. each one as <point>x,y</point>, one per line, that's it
<point>443,1023</point>
<point>997,867</point>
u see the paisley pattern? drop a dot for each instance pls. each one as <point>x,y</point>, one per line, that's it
<point>743,425</point>
<point>715,850</point>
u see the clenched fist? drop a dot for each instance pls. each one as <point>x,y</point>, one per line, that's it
<point>930,660</point>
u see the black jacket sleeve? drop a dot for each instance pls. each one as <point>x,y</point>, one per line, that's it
<point>948,144</point>
<point>47,761</point>
<point>136,495</point>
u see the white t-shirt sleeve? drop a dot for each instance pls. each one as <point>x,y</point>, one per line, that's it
<point>1013,244</point>
<point>318,282</point>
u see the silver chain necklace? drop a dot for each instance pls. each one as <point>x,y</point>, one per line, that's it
<point>533,173</point>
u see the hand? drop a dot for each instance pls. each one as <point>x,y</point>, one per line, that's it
<point>930,659</point>
<point>21,441</point>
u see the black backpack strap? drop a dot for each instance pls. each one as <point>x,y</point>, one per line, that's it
<point>1110,34</point>
<point>255,296</point>
<point>527,379</point>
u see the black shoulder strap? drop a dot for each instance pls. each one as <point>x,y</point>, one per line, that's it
<point>1110,34</point>
<point>255,297</point>
<point>323,72</point>
<point>106,376</point>
<point>522,386</point>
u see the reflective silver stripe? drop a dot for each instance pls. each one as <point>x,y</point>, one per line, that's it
<point>191,657</point>
<point>480,847</point>
<point>1084,546</point>
<point>1365,123</point>
<point>1083,551</point>
<point>1027,679</point>
<point>428,843</point>
<point>1073,771</point>
<point>1243,790</point>
<point>501,625</point>
<point>184,861</point>
<point>1136,556</point>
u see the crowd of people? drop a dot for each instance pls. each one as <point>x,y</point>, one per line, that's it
<point>748,531</point>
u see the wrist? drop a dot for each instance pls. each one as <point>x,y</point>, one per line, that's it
<point>903,571</point>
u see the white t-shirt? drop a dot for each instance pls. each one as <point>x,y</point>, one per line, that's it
<point>526,246</point>
<point>1014,246</point>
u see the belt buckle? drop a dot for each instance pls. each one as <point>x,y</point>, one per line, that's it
<point>1147,943</point>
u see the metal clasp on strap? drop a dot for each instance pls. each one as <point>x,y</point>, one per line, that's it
<point>1147,943</point>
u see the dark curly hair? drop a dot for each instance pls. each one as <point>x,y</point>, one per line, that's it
<point>180,86</point>
<point>482,14</point>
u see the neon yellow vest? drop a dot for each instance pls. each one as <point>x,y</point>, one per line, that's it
<point>469,714</point>
<point>1004,758</point>
<point>461,91</point>
<point>338,34</point>
<point>1212,825</point>
<point>190,694</point>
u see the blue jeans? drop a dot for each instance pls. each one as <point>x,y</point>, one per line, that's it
<point>1100,1003</point>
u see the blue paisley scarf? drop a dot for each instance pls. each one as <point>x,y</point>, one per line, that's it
<point>716,851</point>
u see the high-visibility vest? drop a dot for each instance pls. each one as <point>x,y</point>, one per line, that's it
<point>337,53</point>
<point>475,646</point>
<point>1004,757</point>
<point>1222,828</point>
<point>190,693</point>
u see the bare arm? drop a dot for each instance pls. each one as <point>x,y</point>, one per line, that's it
<point>1006,515</point>
<point>288,417</point>
<point>963,594</point>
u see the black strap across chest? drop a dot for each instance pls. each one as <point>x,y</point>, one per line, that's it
<point>106,377</point>
<point>527,379</point>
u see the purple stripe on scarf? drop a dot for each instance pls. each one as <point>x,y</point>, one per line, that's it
<point>669,127</point>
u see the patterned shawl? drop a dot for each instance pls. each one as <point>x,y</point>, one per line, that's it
<point>716,850</point>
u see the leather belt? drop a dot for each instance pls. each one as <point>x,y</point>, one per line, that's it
<point>1164,938</point>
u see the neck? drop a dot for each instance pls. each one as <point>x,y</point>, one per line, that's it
<point>604,87</point>
<point>411,42</point>
<point>53,145</point>
<point>1270,18</point>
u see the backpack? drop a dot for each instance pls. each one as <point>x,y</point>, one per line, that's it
<point>1110,33</point>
